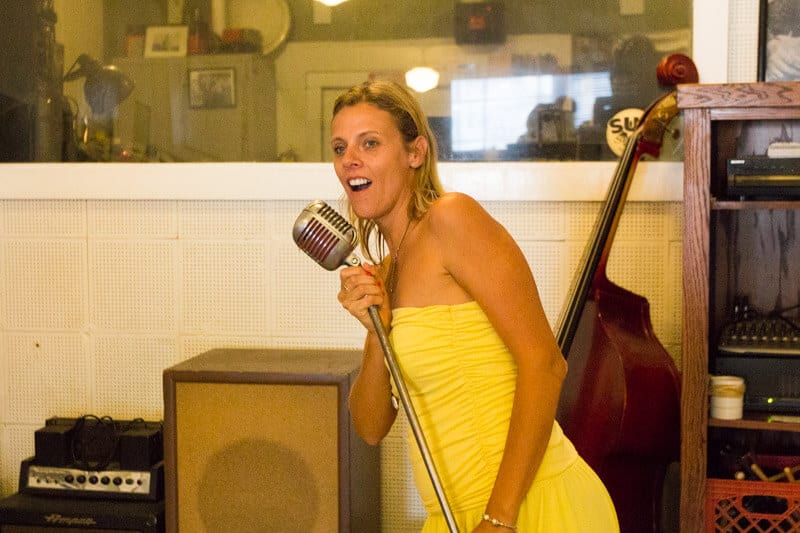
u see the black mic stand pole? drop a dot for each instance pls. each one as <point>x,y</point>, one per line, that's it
<point>412,416</point>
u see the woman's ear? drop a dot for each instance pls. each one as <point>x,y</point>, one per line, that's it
<point>417,152</point>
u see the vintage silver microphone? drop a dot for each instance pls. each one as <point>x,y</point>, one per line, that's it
<point>329,239</point>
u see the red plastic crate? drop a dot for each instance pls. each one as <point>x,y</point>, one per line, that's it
<point>752,506</point>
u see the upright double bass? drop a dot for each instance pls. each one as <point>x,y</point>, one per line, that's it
<point>620,403</point>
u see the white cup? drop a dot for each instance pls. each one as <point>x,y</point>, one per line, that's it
<point>727,397</point>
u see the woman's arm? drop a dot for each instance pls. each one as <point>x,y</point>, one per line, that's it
<point>370,396</point>
<point>484,260</point>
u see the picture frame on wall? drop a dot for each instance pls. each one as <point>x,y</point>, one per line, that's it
<point>779,40</point>
<point>212,88</point>
<point>166,41</point>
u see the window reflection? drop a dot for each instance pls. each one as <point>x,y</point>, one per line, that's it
<point>544,87</point>
<point>489,115</point>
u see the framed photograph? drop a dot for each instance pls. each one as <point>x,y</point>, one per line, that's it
<point>212,88</point>
<point>165,41</point>
<point>779,40</point>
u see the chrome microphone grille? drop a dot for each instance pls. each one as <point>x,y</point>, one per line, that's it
<point>325,236</point>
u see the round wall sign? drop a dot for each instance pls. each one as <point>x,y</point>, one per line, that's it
<point>620,127</point>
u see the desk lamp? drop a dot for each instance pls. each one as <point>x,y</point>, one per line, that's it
<point>104,88</point>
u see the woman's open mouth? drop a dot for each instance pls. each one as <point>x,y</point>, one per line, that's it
<point>358,184</point>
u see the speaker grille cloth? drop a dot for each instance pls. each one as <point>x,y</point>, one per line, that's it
<point>257,458</point>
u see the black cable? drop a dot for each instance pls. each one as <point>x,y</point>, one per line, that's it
<point>94,442</point>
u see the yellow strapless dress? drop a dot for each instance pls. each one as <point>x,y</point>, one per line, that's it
<point>460,379</point>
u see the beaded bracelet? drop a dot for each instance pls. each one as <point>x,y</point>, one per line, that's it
<point>498,523</point>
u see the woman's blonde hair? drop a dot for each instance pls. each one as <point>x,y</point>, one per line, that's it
<point>412,123</point>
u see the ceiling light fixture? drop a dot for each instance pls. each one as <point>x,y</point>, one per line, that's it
<point>331,3</point>
<point>422,79</point>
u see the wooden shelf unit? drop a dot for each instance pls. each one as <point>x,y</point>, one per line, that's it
<point>710,114</point>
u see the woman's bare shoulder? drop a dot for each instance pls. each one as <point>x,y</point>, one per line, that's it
<point>454,211</point>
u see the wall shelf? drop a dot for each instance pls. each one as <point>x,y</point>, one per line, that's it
<point>729,249</point>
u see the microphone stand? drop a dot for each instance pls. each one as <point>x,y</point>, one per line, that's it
<point>412,417</point>
<point>329,240</point>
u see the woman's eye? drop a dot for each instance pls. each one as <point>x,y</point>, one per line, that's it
<point>338,150</point>
<point>370,143</point>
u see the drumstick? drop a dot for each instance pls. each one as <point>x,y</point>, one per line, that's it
<point>787,472</point>
<point>760,473</point>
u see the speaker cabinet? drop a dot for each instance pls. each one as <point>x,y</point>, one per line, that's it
<point>261,441</point>
<point>26,513</point>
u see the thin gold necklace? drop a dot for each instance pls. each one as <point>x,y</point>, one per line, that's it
<point>391,277</point>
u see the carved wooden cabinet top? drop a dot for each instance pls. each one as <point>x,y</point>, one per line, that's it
<point>723,95</point>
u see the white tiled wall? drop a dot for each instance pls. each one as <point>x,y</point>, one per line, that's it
<point>98,297</point>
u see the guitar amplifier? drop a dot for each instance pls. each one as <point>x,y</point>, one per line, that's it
<point>109,483</point>
<point>25,513</point>
<point>91,457</point>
